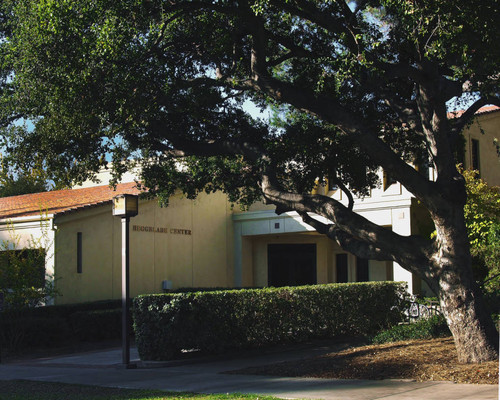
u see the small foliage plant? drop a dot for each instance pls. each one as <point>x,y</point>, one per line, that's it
<point>482,218</point>
<point>24,284</point>
<point>24,280</point>
<point>428,328</point>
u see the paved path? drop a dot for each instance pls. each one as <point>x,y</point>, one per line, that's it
<point>206,376</point>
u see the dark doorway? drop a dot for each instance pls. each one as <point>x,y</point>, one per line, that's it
<point>342,274</point>
<point>291,264</point>
<point>362,270</point>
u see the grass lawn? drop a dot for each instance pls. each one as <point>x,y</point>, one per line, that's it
<point>29,390</point>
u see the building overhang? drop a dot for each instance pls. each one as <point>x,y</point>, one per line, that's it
<point>27,222</point>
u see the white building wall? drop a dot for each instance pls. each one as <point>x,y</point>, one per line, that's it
<point>389,207</point>
<point>401,225</point>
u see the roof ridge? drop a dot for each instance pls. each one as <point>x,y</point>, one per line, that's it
<point>58,201</point>
<point>483,110</point>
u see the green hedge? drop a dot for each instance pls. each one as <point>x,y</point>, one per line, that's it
<point>230,319</point>
<point>430,328</point>
<point>58,325</point>
<point>33,332</point>
<point>93,326</point>
<point>63,310</point>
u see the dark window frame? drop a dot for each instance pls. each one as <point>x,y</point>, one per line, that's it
<point>295,273</point>
<point>342,268</point>
<point>79,252</point>
<point>388,180</point>
<point>362,270</point>
<point>475,155</point>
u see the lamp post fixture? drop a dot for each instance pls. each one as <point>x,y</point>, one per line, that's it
<point>125,206</point>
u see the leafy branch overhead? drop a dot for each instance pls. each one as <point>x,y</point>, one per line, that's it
<point>352,87</point>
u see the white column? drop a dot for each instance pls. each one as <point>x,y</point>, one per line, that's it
<point>401,224</point>
<point>238,248</point>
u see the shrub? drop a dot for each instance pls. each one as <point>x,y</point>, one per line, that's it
<point>432,327</point>
<point>29,332</point>
<point>56,325</point>
<point>93,326</point>
<point>220,320</point>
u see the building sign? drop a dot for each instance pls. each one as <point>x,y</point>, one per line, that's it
<point>157,229</point>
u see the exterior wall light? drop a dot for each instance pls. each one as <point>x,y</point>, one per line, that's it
<point>125,206</point>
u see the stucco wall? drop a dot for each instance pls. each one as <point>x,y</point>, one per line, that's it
<point>485,129</point>
<point>188,243</point>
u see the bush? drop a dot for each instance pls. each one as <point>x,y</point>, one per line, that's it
<point>93,326</point>
<point>25,332</point>
<point>207,289</point>
<point>231,319</point>
<point>65,310</point>
<point>57,325</point>
<point>432,327</point>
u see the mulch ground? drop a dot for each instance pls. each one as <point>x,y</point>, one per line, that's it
<point>420,360</point>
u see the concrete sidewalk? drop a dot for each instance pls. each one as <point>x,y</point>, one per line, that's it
<point>102,368</point>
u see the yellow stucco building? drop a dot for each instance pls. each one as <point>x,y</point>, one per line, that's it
<point>209,243</point>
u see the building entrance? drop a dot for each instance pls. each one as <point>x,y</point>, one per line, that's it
<point>291,264</point>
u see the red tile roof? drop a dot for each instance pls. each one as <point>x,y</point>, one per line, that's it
<point>482,110</point>
<point>59,201</point>
<point>487,109</point>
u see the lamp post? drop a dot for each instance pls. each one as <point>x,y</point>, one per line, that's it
<point>125,206</point>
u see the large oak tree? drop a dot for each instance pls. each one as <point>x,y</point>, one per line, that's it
<point>353,86</point>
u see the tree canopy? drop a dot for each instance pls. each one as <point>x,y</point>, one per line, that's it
<point>155,76</point>
<point>14,183</point>
<point>354,86</point>
<point>482,217</point>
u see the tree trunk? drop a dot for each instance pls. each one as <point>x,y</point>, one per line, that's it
<point>474,333</point>
<point>461,300</point>
<point>445,264</point>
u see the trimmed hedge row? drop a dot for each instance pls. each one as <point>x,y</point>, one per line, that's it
<point>62,310</point>
<point>57,325</point>
<point>217,321</point>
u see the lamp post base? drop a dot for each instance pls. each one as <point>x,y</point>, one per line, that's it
<point>127,366</point>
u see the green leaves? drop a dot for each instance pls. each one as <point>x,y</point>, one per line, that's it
<point>21,182</point>
<point>482,218</point>
<point>116,80</point>
<point>482,210</point>
<point>216,321</point>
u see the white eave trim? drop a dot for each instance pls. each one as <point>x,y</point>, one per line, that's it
<point>367,207</point>
<point>30,221</point>
<point>29,218</point>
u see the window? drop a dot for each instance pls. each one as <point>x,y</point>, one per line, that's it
<point>474,149</point>
<point>362,274</point>
<point>79,263</point>
<point>422,166</point>
<point>331,183</point>
<point>341,262</point>
<point>388,180</point>
<point>22,268</point>
<point>291,264</point>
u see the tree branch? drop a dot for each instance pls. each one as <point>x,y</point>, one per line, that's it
<point>460,122</point>
<point>348,228</point>
<point>350,124</point>
<point>306,10</point>
<point>319,226</point>
<point>357,247</point>
<point>347,192</point>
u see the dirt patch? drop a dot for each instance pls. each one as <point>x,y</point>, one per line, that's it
<point>420,360</point>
